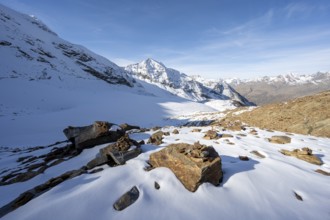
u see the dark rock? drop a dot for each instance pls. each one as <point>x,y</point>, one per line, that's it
<point>157,186</point>
<point>127,199</point>
<point>226,136</point>
<point>122,145</point>
<point>22,199</point>
<point>96,170</point>
<point>92,135</point>
<point>121,157</point>
<point>244,158</point>
<point>166,133</point>
<point>98,161</point>
<point>279,139</point>
<point>156,138</point>
<point>298,196</point>
<point>190,164</point>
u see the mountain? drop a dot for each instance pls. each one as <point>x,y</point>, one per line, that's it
<point>43,55</point>
<point>183,85</point>
<point>280,88</point>
<point>46,87</point>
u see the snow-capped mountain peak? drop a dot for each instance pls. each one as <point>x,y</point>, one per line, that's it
<point>183,85</point>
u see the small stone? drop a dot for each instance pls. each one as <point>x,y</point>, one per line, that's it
<point>156,138</point>
<point>257,154</point>
<point>127,199</point>
<point>298,196</point>
<point>322,172</point>
<point>226,136</point>
<point>244,158</point>
<point>196,130</point>
<point>157,186</point>
<point>279,139</point>
<point>175,131</point>
<point>211,135</point>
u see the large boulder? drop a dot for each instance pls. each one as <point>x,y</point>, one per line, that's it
<point>191,164</point>
<point>92,135</point>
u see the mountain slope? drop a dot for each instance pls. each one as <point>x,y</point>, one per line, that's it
<point>182,85</point>
<point>281,88</point>
<point>307,115</point>
<point>43,55</point>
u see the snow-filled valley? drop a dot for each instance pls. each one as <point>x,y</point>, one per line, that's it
<point>48,84</point>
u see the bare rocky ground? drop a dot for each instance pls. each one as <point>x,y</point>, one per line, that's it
<point>307,115</point>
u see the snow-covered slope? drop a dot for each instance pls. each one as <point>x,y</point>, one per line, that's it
<point>34,52</point>
<point>182,85</point>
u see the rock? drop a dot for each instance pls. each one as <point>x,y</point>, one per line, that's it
<point>298,196</point>
<point>211,135</point>
<point>127,199</point>
<point>157,186</point>
<point>117,153</point>
<point>303,154</point>
<point>244,158</point>
<point>254,132</point>
<point>175,131</point>
<point>96,170</point>
<point>190,164</point>
<point>127,127</point>
<point>227,124</point>
<point>196,130</point>
<point>226,136</point>
<point>22,199</point>
<point>97,161</point>
<point>166,133</point>
<point>257,154</point>
<point>322,172</point>
<point>92,135</point>
<point>156,138</point>
<point>279,139</point>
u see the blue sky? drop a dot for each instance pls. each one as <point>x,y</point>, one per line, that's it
<point>212,38</point>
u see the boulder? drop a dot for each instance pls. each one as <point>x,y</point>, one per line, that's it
<point>191,164</point>
<point>211,135</point>
<point>175,131</point>
<point>156,138</point>
<point>92,135</point>
<point>127,199</point>
<point>279,139</point>
<point>127,127</point>
<point>305,154</point>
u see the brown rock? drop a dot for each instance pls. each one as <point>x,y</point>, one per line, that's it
<point>257,154</point>
<point>175,131</point>
<point>303,154</point>
<point>196,130</point>
<point>191,164</point>
<point>322,172</point>
<point>226,136</point>
<point>279,139</point>
<point>211,135</point>
<point>156,138</point>
<point>127,127</point>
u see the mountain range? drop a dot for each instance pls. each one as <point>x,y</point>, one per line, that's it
<point>266,90</point>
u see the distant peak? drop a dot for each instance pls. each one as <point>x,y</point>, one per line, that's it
<point>152,62</point>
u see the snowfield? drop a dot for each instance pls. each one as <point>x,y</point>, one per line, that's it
<point>256,189</point>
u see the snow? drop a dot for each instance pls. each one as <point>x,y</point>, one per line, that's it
<point>34,109</point>
<point>254,189</point>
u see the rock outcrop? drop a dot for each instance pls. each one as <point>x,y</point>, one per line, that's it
<point>92,135</point>
<point>191,164</point>
<point>305,154</point>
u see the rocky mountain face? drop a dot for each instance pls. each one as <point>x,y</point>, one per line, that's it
<point>281,88</point>
<point>307,115</point>
<point>183,85</point>
<point>42,55</point>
